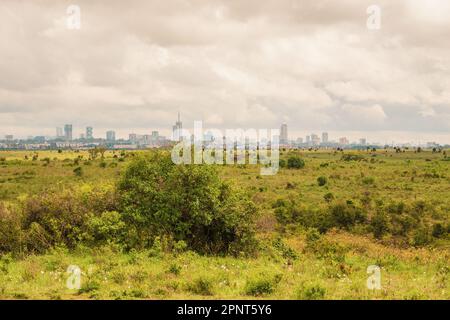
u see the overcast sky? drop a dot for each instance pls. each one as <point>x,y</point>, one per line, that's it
<point>232,63</point>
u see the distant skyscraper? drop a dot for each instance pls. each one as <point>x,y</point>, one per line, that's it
<point>308,140</point>
<point>111,136</point>
<point>9,137</point>
<point>284,134</point>
<point>132,137</point>
<point>324,137</point>
<point>155,136</point>
<point>177,130</point>
<point>59,132</point>
<point>68,132</point>
<point>343,141</point>
<point>89,133</point>
<point>363,141</point>
<point>315,139</point>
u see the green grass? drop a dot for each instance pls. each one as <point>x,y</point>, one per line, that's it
<point>411,274</point>
<point>407,272</point>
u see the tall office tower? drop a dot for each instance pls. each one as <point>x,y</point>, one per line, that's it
<point>177,130</point>
<point>324,137</point>
<point>315,139</point>
<point>363,141</point>
<point>110,136</point>
<point>343,141</point>
<point>89,133</point>
<point>308,140</point>
<point>9,137</point>
<point>284,134</point>
<point>132,137</point>
<point>59,132</point>
<point>68,132</point>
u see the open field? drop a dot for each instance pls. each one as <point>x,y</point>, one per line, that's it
<point>403,199</point>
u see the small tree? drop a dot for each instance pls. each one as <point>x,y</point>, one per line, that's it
<point>295,162</point>
<point>321,181</point>
<point>78,171</point>
<point>185,203</point>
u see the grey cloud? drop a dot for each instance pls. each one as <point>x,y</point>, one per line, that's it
<point>312,64</point>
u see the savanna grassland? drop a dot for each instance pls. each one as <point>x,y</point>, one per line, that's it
<point>139,227</point>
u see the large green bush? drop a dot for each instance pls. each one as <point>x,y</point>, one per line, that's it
<point>10,229</point>
<point>185,202</point>
<point>295,162</point>
<point>54,219</point>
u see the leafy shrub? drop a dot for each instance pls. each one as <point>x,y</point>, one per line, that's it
<point>311,292</point>
<point>379,224</point>
<point>201,286</point>
<point>295,162</point>
<point>174,269</point>
<point>328,197</point>
<point>78,171</point>
<point>368,180</point>
<point>180,246</point>
<point>285,251</point>
<point>289,212</point>
<point>106,228</point>
<point>321,181</point>
<point>421,237</point>
<point>262,285</point>
<point>10,229</point>
<point>322,248</point>
<point>63,218</point>
<point>346,215</point>
<point>438,230</point>
<point>188,203</point>
<point>352,157</point>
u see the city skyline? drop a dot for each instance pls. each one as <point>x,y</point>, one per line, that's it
<point>324,138</point>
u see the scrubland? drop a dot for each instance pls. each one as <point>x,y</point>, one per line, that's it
<point>139,227</point>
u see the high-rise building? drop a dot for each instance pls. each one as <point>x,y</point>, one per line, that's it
<point>308,140</point>
<point>343,141</point>
<point>110,136</point>
<point>363,141</point>
<point>132,137</point>
<point>9,137</point>
<point>89,133</point>
<point>284,134</point>
<point>315,140</point>
<point>68,132</point>
<point>59,132</point>
<point>324,137</point>
<point>177,130</point>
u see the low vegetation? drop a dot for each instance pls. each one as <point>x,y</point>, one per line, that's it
<point>140,227</point>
